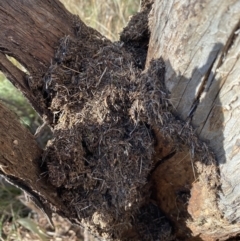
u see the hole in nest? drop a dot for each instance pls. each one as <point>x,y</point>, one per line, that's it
<point>88,152</point>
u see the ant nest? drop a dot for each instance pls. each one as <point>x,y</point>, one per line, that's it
<point>103,111</point>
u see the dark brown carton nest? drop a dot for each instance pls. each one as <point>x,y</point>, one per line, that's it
<point>104,110</point>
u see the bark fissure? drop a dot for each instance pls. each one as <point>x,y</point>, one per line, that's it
<point>201,90</point>
<point>161,161</point>
<point>216,97</point>
<point>230,42</point>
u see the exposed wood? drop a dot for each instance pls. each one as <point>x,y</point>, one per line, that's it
<point>200,43</point>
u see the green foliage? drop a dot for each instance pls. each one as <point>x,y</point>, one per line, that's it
<point>14,99</point>
<point>8,201</point>
<point>34,228</point>
<point>10,209</point>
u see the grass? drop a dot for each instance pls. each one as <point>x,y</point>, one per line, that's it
<point>108,17</point>
<point>10,209</point>
<point>15,101</point>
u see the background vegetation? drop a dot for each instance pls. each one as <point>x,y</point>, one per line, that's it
<point>19,220</point>
<point>108,16</point>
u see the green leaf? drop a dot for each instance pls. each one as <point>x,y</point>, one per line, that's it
<point>33,227</point>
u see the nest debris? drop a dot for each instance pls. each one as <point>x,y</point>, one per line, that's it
<point>135,36</point>
<point>101,153</point>
<point>104,110</point>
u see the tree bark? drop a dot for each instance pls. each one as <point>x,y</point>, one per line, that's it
<point>30,31</point>
<point>21,159</point>
<point>200,44</point>
<point>203,194</point>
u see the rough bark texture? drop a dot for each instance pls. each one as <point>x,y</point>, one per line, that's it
<point>200,44</point>
<point>30,31</point>
<point>21,158</point>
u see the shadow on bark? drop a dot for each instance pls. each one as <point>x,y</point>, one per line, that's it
<point>182,181</point>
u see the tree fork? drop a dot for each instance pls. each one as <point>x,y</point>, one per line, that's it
<point>31,38</point>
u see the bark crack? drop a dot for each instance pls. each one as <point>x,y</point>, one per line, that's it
<point>201,90</point>
<point>186,68</point>
<point>161,161</point>
<point>220,87</point>
<point>230,42</point>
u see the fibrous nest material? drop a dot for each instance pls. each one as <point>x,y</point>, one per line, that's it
<point>101,153</point>
<point>135,36</point>
<point>104,110</point>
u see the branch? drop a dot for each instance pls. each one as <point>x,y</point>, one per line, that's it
<point>21,162</point>
<point>30,31</point>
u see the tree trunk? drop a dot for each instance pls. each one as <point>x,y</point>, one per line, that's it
<point>105,115</point>
<point>200,44</point>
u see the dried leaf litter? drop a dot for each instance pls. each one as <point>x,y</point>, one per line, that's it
<point>103,110</point>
